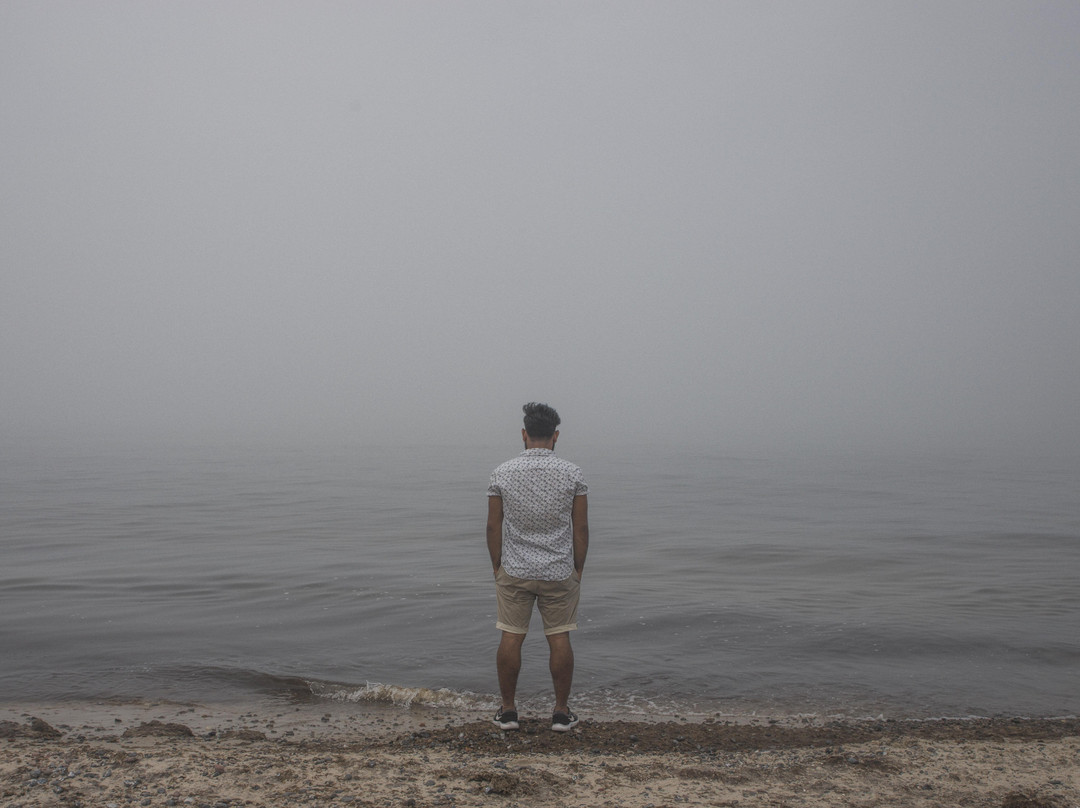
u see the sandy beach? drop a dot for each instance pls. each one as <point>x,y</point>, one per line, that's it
<point>164,754</point>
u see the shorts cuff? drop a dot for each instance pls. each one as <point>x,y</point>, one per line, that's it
<point>560,629</point>
<point>511,629</point>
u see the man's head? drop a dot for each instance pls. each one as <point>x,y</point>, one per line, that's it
<point>541,421</point>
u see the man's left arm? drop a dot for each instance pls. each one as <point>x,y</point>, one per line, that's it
<point>494,531</point>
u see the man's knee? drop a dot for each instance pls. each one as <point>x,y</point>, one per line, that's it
<point>560,640</point>
<point>512,639</point>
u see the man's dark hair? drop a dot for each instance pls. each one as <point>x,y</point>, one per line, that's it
<point>540,420</point>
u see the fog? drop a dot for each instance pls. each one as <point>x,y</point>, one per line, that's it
<point>734,224</point>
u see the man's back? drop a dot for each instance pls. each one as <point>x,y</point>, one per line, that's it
<point>538,490</point>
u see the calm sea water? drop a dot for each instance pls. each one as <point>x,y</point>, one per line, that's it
<point>856,585</point>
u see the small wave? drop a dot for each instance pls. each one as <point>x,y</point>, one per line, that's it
<point>401,696</point>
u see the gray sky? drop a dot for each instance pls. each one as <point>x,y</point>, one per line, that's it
<point>745,224</point>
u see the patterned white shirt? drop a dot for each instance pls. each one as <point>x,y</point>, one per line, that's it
<point>538,490</point>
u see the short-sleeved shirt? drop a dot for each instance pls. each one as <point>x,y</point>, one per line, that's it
<point>538,490</point>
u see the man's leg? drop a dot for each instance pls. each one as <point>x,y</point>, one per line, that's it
<point>508,664</point>
<point>561,662</point>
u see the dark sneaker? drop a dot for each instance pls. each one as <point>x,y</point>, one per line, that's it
<point>506,719</point>
<point>564,722</point>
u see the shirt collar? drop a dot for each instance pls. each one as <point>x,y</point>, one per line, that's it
<point>536,452</point>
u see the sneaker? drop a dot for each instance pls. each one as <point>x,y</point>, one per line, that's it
<point>564,722</point>
<point>506,719</point>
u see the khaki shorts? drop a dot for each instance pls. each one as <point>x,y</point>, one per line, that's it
<point>556,600</point>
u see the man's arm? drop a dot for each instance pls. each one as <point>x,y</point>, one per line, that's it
<point>579,518</point>
<point>494,531</point>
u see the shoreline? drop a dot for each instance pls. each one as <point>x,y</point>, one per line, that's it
<point>332,754</point>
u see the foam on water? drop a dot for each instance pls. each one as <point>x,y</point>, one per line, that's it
<point>401,696</point>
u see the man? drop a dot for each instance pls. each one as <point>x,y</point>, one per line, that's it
<point>538,536</point>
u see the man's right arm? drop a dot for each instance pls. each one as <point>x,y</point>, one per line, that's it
<point>579,518</point>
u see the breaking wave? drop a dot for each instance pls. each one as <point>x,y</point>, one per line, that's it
<point>400,695</point>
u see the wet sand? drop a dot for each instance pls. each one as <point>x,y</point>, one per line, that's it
<point>164,754</point>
